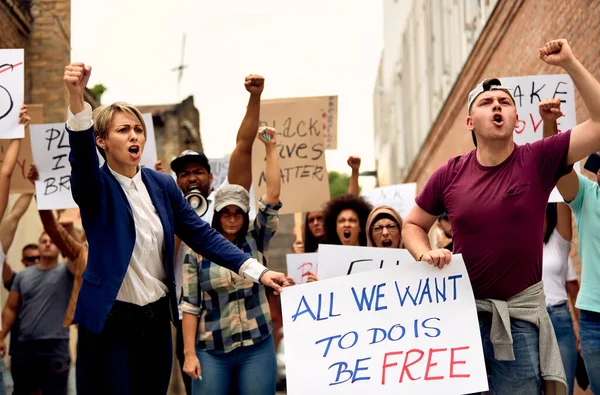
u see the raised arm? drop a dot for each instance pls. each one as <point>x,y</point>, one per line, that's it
<point>354,163</point>
<point>272,171</point>
<point>585,137</point>
<point>550,112</point>
<point>8,226</point>
<point>10,160</point>
<point>86,183</point>
<point>240,163</point>
<point>67,245</point>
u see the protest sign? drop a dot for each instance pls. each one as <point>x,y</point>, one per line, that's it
<point>298,265</point>
<point>219,168</point>
<point>18,180</point>
<point>401,197</point>
<point>335,260</point>
<point>529,91</point>
<point>301,124</point>
<point>149,156</point>
<point>407,329</point>
<point>50,148</point>
<point>12,92</point>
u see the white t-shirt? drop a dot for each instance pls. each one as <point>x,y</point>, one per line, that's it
<point>557,269</point>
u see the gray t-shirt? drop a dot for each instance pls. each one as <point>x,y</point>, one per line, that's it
<point>45,297</point>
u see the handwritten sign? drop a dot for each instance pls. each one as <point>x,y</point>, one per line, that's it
<point>336,261</point>
<point>300,125</point>
<point>529,91</point>
<point>18,180</point>
<point>401,197</point>
<point>219,168</point>
<point>12,92</point>
<point>407,329</point>
<point>298,266</point>
<point>50,146</point>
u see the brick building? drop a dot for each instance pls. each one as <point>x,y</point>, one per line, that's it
<point>176,128</point>
<point>507,46</point>
<point>43,29</point>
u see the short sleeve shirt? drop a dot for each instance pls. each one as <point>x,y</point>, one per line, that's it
<point>497,212</point>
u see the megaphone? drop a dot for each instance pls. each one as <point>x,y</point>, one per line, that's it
<point>197,201</point>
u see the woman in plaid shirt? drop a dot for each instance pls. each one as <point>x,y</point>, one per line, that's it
<point>226,318</point>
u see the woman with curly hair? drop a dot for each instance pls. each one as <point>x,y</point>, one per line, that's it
<point>346,220</point>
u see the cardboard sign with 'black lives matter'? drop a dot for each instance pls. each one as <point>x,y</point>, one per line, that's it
<point>301,124</point>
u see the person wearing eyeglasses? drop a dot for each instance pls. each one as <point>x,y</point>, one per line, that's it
<point>384,227</point>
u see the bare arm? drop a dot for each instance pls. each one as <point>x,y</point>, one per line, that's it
<point>568,185</point>
<point>7,275</point>
<point>573,291</point>
<point>8,227</point>
<point>9,313</point>
<point>585,137</point>
<point>189,326</point>
<point>10,161</point>
<point>354,163</point>
<point>564,224</point>
<point>240,163</point>
<point>272,171</point>
<point>414,234</point>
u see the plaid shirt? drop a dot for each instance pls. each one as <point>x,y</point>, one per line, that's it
<point>233,311</point>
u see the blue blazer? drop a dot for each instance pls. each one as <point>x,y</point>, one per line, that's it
<point>108,222</point>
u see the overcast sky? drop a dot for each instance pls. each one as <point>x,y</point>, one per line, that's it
<point>303,48</point>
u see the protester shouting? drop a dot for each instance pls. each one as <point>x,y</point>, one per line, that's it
<point>130,216</point>
<point>495,197</point>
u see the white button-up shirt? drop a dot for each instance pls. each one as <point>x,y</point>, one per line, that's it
<point>144,281</point>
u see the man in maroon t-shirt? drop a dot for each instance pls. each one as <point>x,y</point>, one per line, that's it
<point>495,197</point>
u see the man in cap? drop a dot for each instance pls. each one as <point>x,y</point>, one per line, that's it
<point>194,178</point>
<point>496,197</point>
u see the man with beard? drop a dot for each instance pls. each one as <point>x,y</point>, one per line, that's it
<point>194,176</point>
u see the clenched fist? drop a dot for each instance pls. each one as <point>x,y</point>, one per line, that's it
<point>354,162</point>
<point>550,110</point>
<point>254,84</point>
<point>557,53</point>
<point>76,78</point>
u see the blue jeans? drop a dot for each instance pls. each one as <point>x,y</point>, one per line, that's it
<point>521,376</point>
<point>253,369</point>
<point>2,382</point>
<point>589,334</point>
<point>565,336</point>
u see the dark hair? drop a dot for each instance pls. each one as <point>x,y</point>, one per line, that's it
<point>241,236</point>
<point>335,206</point>
<point>474,138</point>
<point>30,247</point>
<point>551,218</point>
<point>311,243</point>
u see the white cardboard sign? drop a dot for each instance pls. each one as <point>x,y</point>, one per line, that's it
<point>12,92</point>
<point>529,91</point>
<point>298,265</point>
<point>335,260</point>
<point>50,148</point>
<point>401,197</point>
<point>407,329</point>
